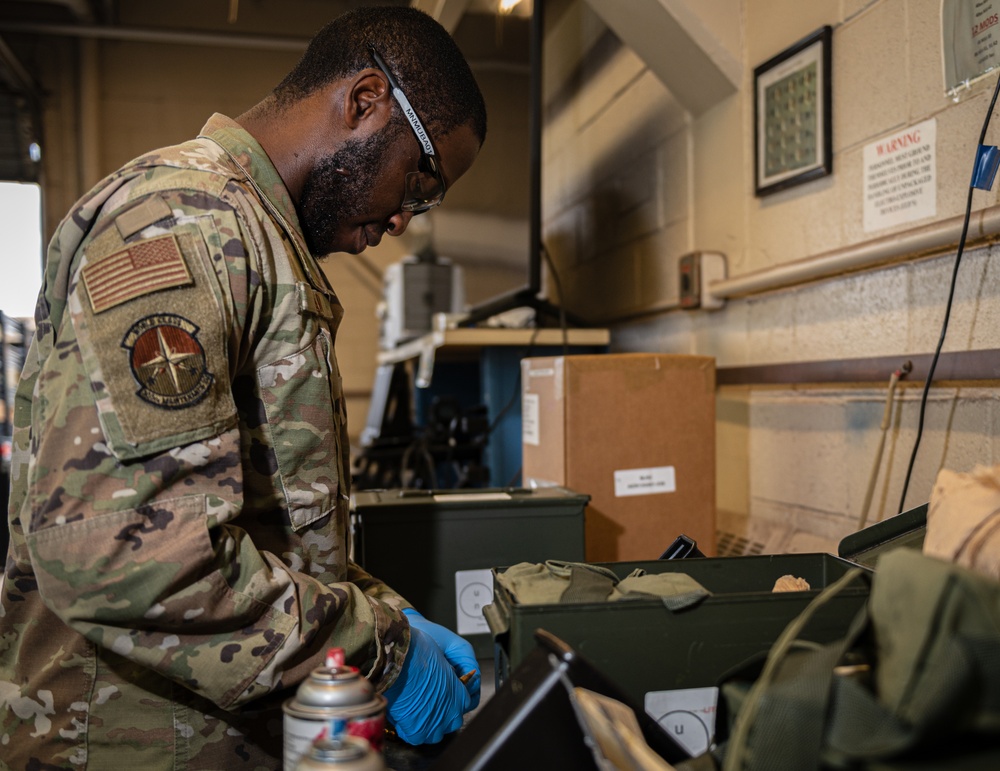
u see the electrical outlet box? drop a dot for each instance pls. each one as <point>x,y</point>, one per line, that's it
<point>697,272</point>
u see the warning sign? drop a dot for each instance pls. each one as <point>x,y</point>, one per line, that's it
<point>900,179</point>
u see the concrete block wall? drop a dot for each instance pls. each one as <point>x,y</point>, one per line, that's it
<point>793,463</point>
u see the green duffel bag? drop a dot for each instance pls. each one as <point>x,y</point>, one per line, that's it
<point>914,683</point>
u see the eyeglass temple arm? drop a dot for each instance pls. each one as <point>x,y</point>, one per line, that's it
<point>408,111</point>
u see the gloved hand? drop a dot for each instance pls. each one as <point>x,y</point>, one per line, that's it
<point>427,700</point>
<point>456,649</point>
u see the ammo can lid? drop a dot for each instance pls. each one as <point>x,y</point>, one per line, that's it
<point>903,530</point>
<point>477,498</point>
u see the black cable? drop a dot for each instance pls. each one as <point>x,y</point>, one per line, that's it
<point>562,300</point>
<point>517,387</point>
<point>947,311</point>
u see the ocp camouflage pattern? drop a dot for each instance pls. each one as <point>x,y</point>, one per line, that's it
<point>178,557</point>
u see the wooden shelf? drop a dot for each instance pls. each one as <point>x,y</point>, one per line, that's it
<point>462,340</point>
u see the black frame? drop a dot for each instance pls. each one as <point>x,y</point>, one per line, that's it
<point>528,297</point>
<point>815,48</point>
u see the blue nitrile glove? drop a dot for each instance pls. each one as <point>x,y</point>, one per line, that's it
<point>456,649</point>
<point>427,700</point>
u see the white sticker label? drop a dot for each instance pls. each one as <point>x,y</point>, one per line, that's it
<point>533,482</point>
<point>529,419</point>
<point>473,590</point>
<point>900,178</point>
<point>645,481</point>
<point>687,714</point>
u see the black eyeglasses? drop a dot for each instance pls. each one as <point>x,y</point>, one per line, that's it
<point>425,187</point>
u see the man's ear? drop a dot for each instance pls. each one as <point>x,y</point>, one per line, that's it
<point>369,98</point>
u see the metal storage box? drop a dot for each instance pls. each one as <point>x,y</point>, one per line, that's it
<point>437,548</point>
<point>645,648</point>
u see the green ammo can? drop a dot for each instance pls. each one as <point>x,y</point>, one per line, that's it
<point>670,661</point>
<point>437,547</point>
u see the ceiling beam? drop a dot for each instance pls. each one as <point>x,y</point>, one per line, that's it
<point>259,42</point>
<point>17,75</point>
<point>689,59</point>
<point>81,10</point>
<point>447,12</point>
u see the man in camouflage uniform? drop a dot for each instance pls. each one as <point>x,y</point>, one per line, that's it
<point>180,483</point>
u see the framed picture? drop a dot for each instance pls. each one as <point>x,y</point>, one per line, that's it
<point>792,142</point>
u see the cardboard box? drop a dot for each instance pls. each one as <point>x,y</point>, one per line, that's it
<point>635,432</point>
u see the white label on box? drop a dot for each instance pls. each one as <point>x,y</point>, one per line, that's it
<point>645,481</point>
<point>530,433</point>
<point>541,372</point>
<point>473,590</point>
<point>687,714</point>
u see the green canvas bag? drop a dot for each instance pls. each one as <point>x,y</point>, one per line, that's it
<point>915,678</point>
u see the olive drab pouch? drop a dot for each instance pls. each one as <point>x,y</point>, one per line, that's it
<point>916,677</point>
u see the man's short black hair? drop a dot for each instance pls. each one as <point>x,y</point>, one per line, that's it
<point>421,55</point>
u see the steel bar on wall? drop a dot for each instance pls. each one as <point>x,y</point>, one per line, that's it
<point>958,366</point>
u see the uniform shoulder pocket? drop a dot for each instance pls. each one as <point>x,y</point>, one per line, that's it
<point>151,328</point>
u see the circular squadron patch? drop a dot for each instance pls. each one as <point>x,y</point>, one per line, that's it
<point>167,361</point>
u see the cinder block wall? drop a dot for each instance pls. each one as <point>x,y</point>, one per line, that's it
<point>633,181</point>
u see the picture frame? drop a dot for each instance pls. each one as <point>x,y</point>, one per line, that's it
<point>793,115</point>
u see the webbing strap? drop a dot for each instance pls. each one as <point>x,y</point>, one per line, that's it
<point>791,691</point>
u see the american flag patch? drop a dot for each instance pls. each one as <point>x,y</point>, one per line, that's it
<point>137,270</point>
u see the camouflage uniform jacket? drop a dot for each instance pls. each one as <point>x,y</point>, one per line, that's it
<point>180,480</point>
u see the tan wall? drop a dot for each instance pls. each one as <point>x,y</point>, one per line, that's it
<point>633,181</point>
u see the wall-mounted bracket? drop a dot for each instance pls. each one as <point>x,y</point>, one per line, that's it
<point>697,271</point>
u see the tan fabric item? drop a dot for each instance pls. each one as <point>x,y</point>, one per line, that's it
<point>963,519</point>
<point>554,581</point>
<point>677,590</point>
<point>616,737</point>
<point>545,583</point>
<point>791,584</point>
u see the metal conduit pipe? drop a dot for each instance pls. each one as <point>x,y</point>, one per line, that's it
<point>259,42</point>
<point>935,237</point>
<point>79,8</point>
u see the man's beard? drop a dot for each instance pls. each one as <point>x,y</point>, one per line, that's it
<point>330,198</point>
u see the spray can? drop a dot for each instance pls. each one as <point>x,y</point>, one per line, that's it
<point>338,699</point>
<point>343,753</point>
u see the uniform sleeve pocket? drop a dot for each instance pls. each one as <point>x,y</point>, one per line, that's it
<point>298,398</point>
